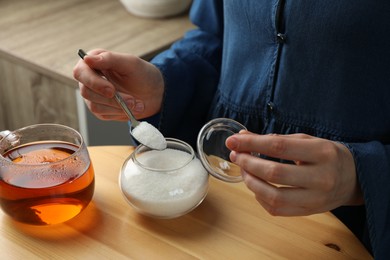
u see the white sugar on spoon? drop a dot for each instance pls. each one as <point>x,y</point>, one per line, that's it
<point>142,131</point>
<point>149,136</point>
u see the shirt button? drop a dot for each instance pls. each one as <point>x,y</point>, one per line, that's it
<point>270,106</point>
<point>281,38</point>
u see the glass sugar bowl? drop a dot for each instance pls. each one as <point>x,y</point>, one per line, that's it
<point>174,181</point>
<point>164,184</point>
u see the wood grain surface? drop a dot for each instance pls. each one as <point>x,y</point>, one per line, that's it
<point>229,224</point>
<point>45,35</point>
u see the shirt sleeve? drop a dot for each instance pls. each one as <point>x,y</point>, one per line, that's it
<point>191,69</point>
<point>373,170</point>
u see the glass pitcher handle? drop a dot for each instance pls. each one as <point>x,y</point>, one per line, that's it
<point>4,133</point>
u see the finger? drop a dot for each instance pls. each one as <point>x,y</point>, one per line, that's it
<point>95,97</point>
<point>283,201</point>
<point>106,60</point>
<point>104,112</point>
<point>277,173</point>
<point>96,51</point>
<point>106,108</point>
<point>293,147</point>
<point>286,211</point>
<point>120,118</point>
<point>89,78</point>
<point>133,104</point>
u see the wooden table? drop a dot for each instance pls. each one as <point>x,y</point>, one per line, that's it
<point>39,40</point>
<point>229,224</point>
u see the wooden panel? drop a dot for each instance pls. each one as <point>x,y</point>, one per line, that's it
<point>28,97</point>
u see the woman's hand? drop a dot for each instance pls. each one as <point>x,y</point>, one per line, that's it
<point>139,83</point>
<point>322,177</point>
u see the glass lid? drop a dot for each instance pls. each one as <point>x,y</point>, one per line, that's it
<point>213,152</point>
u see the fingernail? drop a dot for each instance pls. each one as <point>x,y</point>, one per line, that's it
<point>233,156</point>
<point>130,103</point>
<point>232,143</point>
<point>139,107</point>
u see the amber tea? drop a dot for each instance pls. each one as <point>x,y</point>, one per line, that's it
<point>45,182</point>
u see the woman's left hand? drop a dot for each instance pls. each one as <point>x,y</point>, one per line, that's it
<point>322,177</point>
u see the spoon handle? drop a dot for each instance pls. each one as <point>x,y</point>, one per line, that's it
<point>118,98</point>
<point>122,104</point>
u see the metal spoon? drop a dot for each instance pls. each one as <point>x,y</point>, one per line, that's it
<point>122,104</point>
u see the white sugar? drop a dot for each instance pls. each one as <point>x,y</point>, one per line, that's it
<point>164,160</point>
<point>165,194</point>
<point>149,136</point>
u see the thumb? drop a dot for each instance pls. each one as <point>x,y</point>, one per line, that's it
<point>95,61</point>
<point>108,60</point>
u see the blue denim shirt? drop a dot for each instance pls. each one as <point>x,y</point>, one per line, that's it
<point>315,67</point>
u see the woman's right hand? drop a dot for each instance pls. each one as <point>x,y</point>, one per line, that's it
<point>139,82</point>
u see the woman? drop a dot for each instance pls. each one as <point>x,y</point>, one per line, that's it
<point>313,73</point>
